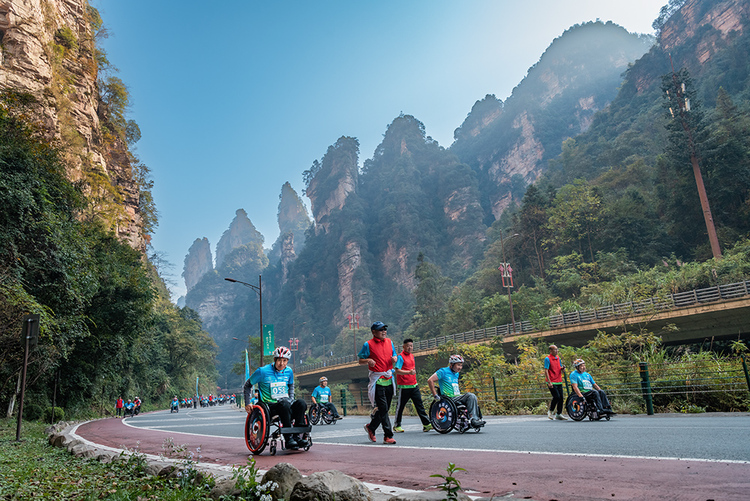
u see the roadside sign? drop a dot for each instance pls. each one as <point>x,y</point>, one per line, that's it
<point>269,343</point>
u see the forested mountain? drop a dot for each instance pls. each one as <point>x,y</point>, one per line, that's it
<point>76,212</point>
<point>581,179</point>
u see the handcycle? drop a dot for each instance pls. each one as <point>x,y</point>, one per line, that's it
<point>580,407</point>
<point>319,412</point>
<point>258,426</point>
<point>445,415</point>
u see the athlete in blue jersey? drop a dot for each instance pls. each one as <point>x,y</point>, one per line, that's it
<point>322,395</point>
<point>275,384</point>
<point>585,387</point>
<point>447,379</point>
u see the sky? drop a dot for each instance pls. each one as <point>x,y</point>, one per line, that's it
<point>235,98</point>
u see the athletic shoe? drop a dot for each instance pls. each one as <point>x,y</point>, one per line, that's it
<point>549,415</point>
<point>389,440</point>
<point>427,427</point>
<point>398,429</point>
<point>338,417</point>
<point>291,444</point>
<point>302,443</point>
<point>560,417</point>
<point>477,423</point>
<point>370,434</point>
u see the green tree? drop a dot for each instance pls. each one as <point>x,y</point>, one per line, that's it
<point>574,217</point>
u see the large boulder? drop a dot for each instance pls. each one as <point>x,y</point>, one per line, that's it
<point>286,477</point>
<point>329,486</point>
<point>224,487</point>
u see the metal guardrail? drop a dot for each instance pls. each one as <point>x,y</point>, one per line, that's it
<point>653,304</point>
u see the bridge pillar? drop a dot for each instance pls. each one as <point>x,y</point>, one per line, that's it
<point>358,389</point>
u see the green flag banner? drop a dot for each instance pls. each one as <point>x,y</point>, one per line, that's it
<point>269,344</point>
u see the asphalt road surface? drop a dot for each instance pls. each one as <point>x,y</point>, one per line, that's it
<point>700,456</point>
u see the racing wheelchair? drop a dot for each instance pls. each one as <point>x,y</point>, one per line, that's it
<point>319,412</point>
<point>578,408</point>
<point>445,415</point>
<point>258,431</point>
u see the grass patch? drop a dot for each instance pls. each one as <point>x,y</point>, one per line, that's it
<point>33,469</point>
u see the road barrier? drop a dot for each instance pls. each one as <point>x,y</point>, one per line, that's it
<point>650,305</point>
<point>703,382</point>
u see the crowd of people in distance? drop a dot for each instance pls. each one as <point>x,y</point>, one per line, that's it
<point>129,408</point>
<point>209,400</point>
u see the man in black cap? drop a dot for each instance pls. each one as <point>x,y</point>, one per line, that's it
<point>379,354</point>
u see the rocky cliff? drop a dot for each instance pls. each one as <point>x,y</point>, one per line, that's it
<point>198,262</point>
<point>48,52</point>
<point>293,220</point>
<point>241,232</point>
<point>508,144</point>
<point>724,16</point>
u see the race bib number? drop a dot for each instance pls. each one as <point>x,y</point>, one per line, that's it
<point>456,391</point>
<point>323,398</point>
<point>279,389</point>
<point>587,385</point>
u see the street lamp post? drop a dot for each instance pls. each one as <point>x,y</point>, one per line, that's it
<point>506,270</point>
<point>259,289</point>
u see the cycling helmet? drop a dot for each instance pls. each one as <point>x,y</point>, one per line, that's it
<point>456,359</point>
<point>577,362</point>
<point>323,379</point>
<point>282,352</point>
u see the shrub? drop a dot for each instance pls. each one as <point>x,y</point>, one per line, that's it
<point>32,412</point>
<point>59,415</point>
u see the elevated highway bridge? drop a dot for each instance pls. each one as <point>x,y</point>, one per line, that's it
<point>716,313</point>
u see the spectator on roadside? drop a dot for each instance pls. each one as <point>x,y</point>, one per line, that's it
<point>553,373</point>
<point>118,406</point>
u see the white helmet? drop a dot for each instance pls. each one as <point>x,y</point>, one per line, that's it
<point>282,352</point>
<point>456,359</point>
<point>577,362</point>
<point>323,378</point>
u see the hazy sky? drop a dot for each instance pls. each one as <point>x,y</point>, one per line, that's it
<point>235,98</point>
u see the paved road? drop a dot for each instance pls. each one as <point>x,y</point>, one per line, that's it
<point>697,457</point>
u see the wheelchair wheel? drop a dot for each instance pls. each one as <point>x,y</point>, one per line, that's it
<point>443,415</point>
<point>327,415</point>
<point>576,407</point>
<point>313,415</point>
<point>256,430</point>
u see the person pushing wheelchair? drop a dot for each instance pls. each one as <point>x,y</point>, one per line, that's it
<point>276,385</point>
<point>580,379</point>
<point>447,379</point>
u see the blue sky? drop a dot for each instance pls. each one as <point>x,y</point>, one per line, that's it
<point>235,98</point>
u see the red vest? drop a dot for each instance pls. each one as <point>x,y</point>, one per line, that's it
<point>407,379</point>
<point>555,370</point>
<point>381,352</point>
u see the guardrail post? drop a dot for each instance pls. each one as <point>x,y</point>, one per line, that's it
<point>494,384</point>
<point>646,388</point>
<point>744,366</point>
<point>343,400</point>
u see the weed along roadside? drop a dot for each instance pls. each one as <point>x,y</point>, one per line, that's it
<point>50,463</point>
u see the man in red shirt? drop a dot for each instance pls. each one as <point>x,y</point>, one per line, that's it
<point>408,389</point>
<point>379,355</point>
<point>119,406</point>
<point>553,368</point>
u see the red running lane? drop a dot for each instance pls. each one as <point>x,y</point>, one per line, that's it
<point>525,475</point>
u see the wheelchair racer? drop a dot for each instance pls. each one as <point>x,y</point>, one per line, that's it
<point>322,395</point>
<point>582,380</point>
<point>276,385</point>
<point>447,379</point>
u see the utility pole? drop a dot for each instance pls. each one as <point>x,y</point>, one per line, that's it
<point>678,99</point>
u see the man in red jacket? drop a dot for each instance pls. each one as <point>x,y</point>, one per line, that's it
<point>379,355</point>
<point>408,389</point>
<point>119,405</point>
<point>553,368</point>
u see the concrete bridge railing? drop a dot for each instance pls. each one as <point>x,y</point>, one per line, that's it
<point>653,304</point>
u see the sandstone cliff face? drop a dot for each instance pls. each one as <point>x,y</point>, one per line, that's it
<point>723,16</point>
<point>336,179</point>
<point>510,143</point>
<point>198,262</point>
<point>292,219</point>
<point>48,52</point>
<point>241,232</point>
